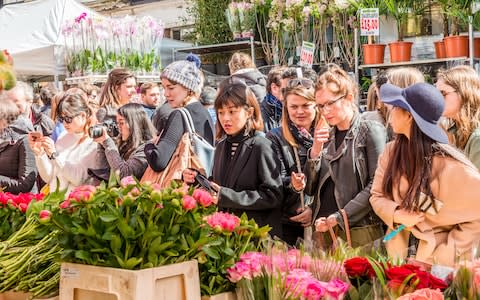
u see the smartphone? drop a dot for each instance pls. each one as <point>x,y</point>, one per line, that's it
<point>36,135</point>
<point>204,183</point>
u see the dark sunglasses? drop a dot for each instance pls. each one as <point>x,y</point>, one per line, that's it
<point>66,119</point>
<point>305,82</point>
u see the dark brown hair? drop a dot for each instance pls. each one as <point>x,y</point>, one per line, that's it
<point>73,102</point>
<point>238,94</point>
<point>412,160</point>
<point>275,77</point>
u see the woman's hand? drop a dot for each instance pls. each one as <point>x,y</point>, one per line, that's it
<point>297,180</point>
<point>48,145</point>
<point>35,144</point>
<point>407,218</point>
<point>304,216</point>
<point>320,137</point>
<point>188,176</point>
<point>322,224</point>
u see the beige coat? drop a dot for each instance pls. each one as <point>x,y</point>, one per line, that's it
<point>449,233</point>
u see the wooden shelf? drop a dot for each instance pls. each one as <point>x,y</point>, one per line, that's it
<point>232,46</point>
<point>413,63</point>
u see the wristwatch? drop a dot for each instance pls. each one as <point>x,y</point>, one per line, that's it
<point>53,155</point>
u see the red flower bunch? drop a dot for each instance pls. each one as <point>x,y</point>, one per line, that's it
<point>20,201</point>
<point>357,267</point>
<point>413,278</point>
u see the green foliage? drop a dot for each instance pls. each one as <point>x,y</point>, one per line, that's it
<point>211,26</point>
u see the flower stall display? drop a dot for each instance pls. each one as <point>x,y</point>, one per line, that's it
<point>98,45</point>
<point>137,226</point>
<point>241,19</point>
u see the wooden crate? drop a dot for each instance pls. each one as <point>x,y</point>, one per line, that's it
<point>21,296</point>
<point>171,282</point>
<point>222,296</point>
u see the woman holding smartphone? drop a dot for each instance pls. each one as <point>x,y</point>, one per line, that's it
<point>67,161</point>
<point>246,171</point>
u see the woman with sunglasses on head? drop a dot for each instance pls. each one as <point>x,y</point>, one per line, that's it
<point>68,159</point>
<point>182,87</point>
<point>125,155</point>
<point>246,172</point>
<point>460,87</point>
<point>119,90</point>
<point>423,187</point>
<point>342,162</point>
<point>299,118</point>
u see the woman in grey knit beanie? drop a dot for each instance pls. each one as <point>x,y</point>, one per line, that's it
<point>182,84</point>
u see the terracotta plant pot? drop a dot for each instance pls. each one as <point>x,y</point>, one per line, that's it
<point>456,46</point>
<point>373,53</point>
<point>476,47</point>
<point>440,49</point>
<point>400,51</point>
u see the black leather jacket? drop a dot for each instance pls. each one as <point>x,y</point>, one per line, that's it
<point>352,168</point>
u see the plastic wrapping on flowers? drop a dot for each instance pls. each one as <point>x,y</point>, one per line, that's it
<point>137,226</point>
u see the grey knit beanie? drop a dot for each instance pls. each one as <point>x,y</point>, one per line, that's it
<point>184,72</point>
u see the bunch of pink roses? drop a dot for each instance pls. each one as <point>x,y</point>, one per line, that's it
<point>223,222</point>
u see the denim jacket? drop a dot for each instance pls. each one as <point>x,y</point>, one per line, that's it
<point>352,168</point>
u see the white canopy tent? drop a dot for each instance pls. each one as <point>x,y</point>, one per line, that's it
<point>31,32</point>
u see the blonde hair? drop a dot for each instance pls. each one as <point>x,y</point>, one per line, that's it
<point>404,76</point>
<point>338,82</point>
<point>466,83</point>
<point>240,61</point>
<point>307,94</point>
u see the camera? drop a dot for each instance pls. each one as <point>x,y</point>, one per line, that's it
<point>96,131</point>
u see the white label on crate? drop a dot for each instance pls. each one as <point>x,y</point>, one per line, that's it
<point>70,273</point>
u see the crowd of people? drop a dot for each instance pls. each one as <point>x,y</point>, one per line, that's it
<point>292,149</point>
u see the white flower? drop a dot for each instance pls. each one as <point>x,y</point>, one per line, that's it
<point>342,4</point>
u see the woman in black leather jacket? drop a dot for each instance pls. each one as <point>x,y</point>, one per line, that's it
<point>299,118</point>
<point>342,162</point>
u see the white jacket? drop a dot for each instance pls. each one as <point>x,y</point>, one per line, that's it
<point>71,165</point>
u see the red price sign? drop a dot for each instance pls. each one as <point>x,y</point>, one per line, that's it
<point>306,54</point>
<point>369,22</point>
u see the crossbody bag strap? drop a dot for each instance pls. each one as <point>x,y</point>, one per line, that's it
<point>188,119</point>
<point>347,226</point>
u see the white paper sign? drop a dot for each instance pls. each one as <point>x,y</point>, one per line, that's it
<point>306,55</point>
<point>369,22</point>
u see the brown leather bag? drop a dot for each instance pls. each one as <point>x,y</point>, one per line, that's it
<point>183,158</point>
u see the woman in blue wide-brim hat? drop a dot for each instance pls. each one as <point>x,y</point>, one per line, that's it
<point>423,183</point>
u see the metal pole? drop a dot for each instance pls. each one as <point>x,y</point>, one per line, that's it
<point>356,45</point>
<point>470,40</point>
<point>252,48</point>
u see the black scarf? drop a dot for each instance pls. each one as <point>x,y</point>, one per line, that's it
<point>302,137</point>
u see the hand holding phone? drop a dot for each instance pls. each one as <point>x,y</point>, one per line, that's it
<point>205,183</point>
<point>36,136</point>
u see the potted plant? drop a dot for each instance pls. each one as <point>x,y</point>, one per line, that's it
<point>373,53</point>
<point>456,45</point>
<point>400,11</point>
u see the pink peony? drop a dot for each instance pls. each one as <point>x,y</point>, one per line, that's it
<point>65,204</point>
<point>22,207</point>
<point>203,197</point>
<point>188,202</point>
<point>223,221</point>
<point>126,181</point>
<point>423,294</point>
<point>336,289</point>
<point>314,290</point>
<point>82,193</point>
<point>45,215</point>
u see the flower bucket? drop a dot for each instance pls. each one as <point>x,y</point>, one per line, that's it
<point>373,53</point>
<point>476,47</point>
<point>171,282</point>
<point>456,46</point>
<point>440,49</point>
<point>400,51</point>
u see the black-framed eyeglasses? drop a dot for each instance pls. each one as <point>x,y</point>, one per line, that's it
<point>330,103</point>
<point>66,119</point>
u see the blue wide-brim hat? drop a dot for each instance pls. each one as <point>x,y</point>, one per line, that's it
<point>423,101</point>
